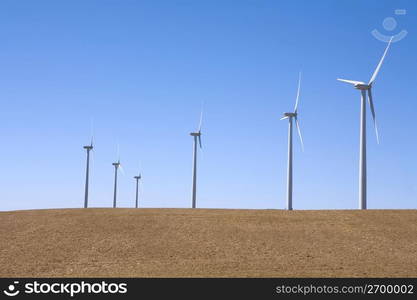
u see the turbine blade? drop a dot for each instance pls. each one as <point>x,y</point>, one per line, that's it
<point>92,163</point>
<point>92,131</point>
<point>371,105</point>
<point>283,118</point>
<point>201,118</point>
<point>199,141</point>
<point>140,189</point>
<point>298,93</point>
<point>121,169</point>
<point>299,133</point>
<point>378,67</point>
<point>354,82</point>
<point>118,152</point>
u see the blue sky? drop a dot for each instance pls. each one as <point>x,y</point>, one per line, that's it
<point>141,69</point>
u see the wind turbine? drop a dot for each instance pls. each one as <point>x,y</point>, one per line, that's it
<point>116,168</point>
<point>88,148</point>
<point>290,116</point>
<point>116,165</point>
<point>363,87</point>
<point>137,188</point>
<point>197,136</point>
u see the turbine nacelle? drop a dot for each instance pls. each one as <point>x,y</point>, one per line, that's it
<point>137,177</point>
<point>363,87</point>
<point>88,147</point>
<point>359,85</point>
<point>195,133</point>
<point>116,164</point>
<point>290,115</point>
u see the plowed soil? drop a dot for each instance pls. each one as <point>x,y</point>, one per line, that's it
<point>102,242</point>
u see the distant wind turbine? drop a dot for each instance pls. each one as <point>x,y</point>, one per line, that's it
<point>290,116</point>
<point>137,178</point>
<point>116,165</point>
<point>88,148</point>
<point>196,136</point>
<point>363,87</point>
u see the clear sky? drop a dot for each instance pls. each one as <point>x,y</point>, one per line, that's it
<point>141,69</point>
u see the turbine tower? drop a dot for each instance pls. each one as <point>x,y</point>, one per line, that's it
<point>363,87</point>
<point>290,116</point>
<point>137,188</point>
<point>116,168</point>
<point>87,172</point>
<point>197,136</point>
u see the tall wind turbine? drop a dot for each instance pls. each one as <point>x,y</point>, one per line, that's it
<point>137,178</point>
<point>363,87</point>
<point>197,136</point>
<point>290,116</point>
<point>88,148</point>
<point>116,168</point>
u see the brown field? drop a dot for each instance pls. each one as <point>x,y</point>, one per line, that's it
<point>208,243</point>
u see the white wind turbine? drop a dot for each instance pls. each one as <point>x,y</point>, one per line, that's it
<point>137,178</point>
<point>290,116</point>
<point>116,165</point>
<point>363,87</point>
<point>196,135</point>
<point>88,148</point>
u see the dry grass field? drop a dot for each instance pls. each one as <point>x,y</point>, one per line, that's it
<point>208,243</point>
